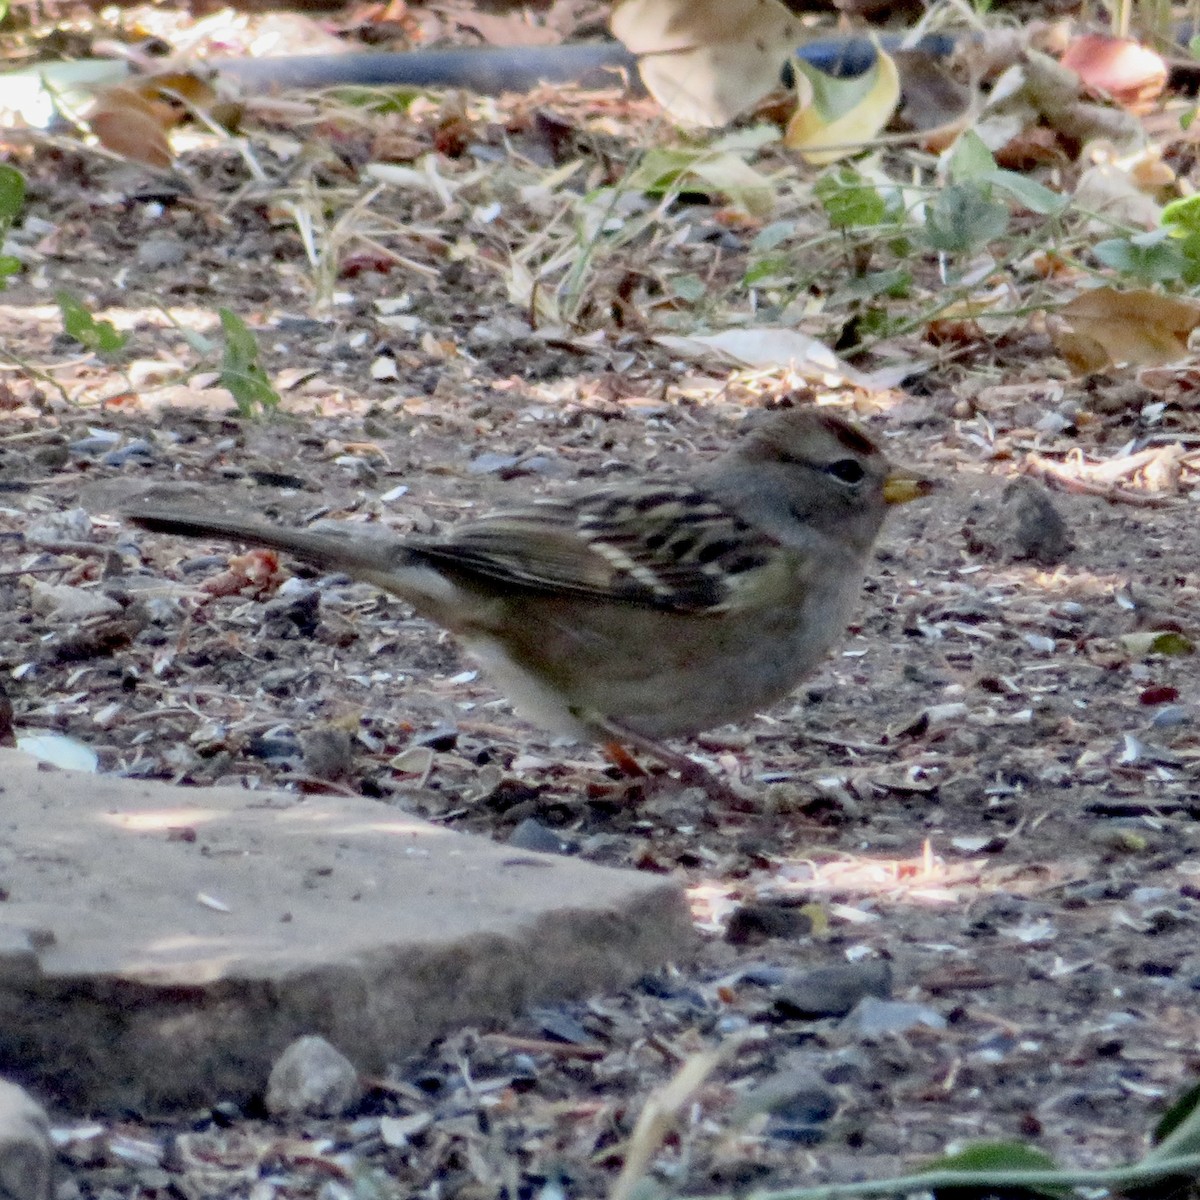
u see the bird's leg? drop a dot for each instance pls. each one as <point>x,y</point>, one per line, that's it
<point>623,760</point>
<point>691,773</point>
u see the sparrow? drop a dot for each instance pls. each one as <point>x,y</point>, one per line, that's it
<point>639,611</point>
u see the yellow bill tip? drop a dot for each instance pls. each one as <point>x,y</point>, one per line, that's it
<point>900,487</point>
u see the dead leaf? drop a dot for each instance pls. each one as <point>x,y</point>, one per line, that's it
<point>707,61</point>
<point>836,116</point>
<point>1131,74</point>
<point>1106,327</point>
<point>132,126</point>
<point>935,102</point>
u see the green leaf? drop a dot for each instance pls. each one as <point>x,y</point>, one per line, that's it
<point>964,218</point>
<point>240,370</point>
<point>874,322</point>
<point>849,200</point>
<point>8,266</point>
<point>777,267</point>
<point>688,287</point>
<point>773,235</point>
<point>896,283</point>
<point>1148,258</point>
<point>996,1156</point>
<point>101,337</point>
<point>970,159</point>
<point>1183,215</point>
<point>1165,642</point>
<point>12,194</point>
<point>1183,1107</point>
<point>1027,192</point>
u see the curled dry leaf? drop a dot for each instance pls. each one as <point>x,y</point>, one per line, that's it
<point>1104,327</point>
<point>935,102</point>
<point>707,61</point>
<point>836,116</point>
<point>129,124</point>
<point>257,572</point>
<point>1131,74</point>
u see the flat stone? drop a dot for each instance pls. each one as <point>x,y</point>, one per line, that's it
<point>160,946</point>
<point>27,1154</point>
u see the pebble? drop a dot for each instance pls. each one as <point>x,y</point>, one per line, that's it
<point>27,1152</point>
<point>69,525</point>
<point>750,924</point>
<point>71,603</point>
<point>873,1017</point>
<point>1169,716</point>
<point>1025,526</point>
<point>312,1078</point>
<point>533,835</point>
<point>834,990</point>
<point>157,252</point>
<point>139,449</point>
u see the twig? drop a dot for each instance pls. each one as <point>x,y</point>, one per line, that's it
<point>1058,475</point>
<point>993,1181</point>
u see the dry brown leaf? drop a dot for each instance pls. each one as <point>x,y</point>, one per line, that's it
<point>707,61</point>
<point>1106,326</point>
<point>129,124</point>
<point>1119,67</point>
<point>934,101</point>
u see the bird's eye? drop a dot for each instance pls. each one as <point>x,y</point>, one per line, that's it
<point>847,470</point>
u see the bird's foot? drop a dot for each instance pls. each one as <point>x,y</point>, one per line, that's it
<point>727,792</point>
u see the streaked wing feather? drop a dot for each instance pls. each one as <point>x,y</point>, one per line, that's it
<point>675,549</point>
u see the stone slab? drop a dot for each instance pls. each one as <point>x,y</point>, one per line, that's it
<point>159,946</point>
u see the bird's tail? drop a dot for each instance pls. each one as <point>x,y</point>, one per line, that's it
<point>356,552</point>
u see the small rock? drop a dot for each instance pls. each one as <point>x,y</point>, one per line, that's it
<point>441,738</point>
<point>27,1154</point>
<point>99,442</point>
<point>495,331</point>
<point>533,835</point>
<point>833,991</point>
<point>490,462</point>
<point>312,1078</point>
<point>157,252</point>
<point>795,1094</point>
<point>873,1017</point>
<point>328,752</point>
<point>750,924</point>
<point>138,450</point>
<point>1169,717</point>
<point>70,603</point>
<point>297,610</point>
<point>68,525</point>
<point>1025,526</point>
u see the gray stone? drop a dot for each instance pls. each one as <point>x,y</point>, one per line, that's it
<point>311,1078</point>
<point>874,1018</point>
<point>160,947</point>
<point>834,990</point>
<point>1025,526</point>
<point>27,1153</point>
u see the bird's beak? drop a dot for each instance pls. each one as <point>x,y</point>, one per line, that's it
<point>901,486</point>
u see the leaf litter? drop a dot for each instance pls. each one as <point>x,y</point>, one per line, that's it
<point>990,788</point>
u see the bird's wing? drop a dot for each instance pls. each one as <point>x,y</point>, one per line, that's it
<point>672,548</point>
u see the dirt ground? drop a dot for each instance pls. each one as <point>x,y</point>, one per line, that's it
<point>986,786</point>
